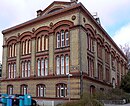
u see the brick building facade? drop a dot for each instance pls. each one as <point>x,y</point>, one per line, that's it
<point>60,54</point>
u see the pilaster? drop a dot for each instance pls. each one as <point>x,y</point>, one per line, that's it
<point>33,57</point>
<point>95,59</point>
<point>110,68</point>
<point>104,69</point>
<point>51,54</point>
<point>4,62</point>
<point>18,59</point>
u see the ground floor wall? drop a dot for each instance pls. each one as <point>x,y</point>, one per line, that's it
<point>91,85</point>
<point>73,84</point>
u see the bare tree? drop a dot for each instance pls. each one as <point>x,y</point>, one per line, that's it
<point>126,50</point>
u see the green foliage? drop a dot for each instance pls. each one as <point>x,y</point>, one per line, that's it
<point>125,83</point>
<point>85,101</point>
<point>114,94</point>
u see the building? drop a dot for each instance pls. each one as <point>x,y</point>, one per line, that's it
<point>61,54</point>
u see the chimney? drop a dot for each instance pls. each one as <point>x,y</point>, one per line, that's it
<point>39,13</point>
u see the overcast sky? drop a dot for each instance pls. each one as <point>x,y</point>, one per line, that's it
<point>114,15</point>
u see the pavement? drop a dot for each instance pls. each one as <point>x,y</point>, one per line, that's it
<point>117,105</point>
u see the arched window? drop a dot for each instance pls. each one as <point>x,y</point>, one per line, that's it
<point>39,44</point>
<point>113,82</point>
<point>29,46</point>
<point>26,46</point>
<point>41,90</point>
<point>66,38</point>
<point>62,39</point>
<point>43,45</point>
<point>10,89</point>
<point>24,89</point>
<point>90,69</point>
<point>61,90</point>
<point>46,42</point>
<point>92,89</point>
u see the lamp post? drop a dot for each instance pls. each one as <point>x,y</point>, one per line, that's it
<point>69,75</point>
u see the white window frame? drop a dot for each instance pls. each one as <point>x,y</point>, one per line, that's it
<point>46,67</point>
<point>29,65</point>
<point>58,40</point>
<point>66,38</point>
<point>62,38</point>
<point>23,70</point>
<point>39,67</point>
<point>62,65</point>
<point>26,69</point>
<point>67,65</point>
<point>9,69</point>
<point>14,71</point>
<point>42,67</point>
<point>58,66</point>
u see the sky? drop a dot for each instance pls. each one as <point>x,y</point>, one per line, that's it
<point>114,15</point>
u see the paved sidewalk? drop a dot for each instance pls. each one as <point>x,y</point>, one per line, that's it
<point>117,105</point>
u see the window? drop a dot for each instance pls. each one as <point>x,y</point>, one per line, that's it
<point>41,89</point>
<point>62,65</point>
<point>39,67</point>
<point>107,75</point>
<point>29,65</point>
<point>26,46</point>
<point>42,43</point>
<point>107,57</point>
<point>12,70</point>
<point>67,65</point>
<point>58,65</point>
<point>92,89</point>
<point>46,67</point>
<point>12,50</point>
<point>99,50</point>
<point>42,67</point>
<point>90,66</point>
<point>67,38</point>
<point>61,90</point>
<point>46,42</point>
<point>90,43</point>
<point>100,71</point>
<point>62,39</point>
<point>25,69</point>
<point>24,89</point>
<point>10,89</point>
<point>58,40</point>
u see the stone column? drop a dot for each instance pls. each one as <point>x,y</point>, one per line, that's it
<point>18,59</point>
<point>51,54</point>
<point>4,62</point>
<point>95,59</point>
<point>104,69</point>
<point>33,57</point>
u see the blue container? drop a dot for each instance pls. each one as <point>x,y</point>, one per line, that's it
<point>21,101</point>
<point>9,101</point>
<point>4,99</point>
<point>27,100</point>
